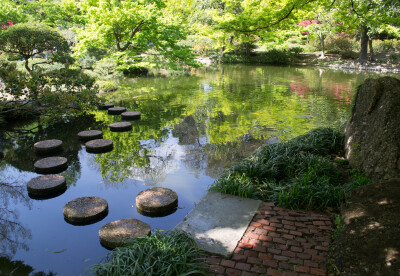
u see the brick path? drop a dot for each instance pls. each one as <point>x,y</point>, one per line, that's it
<point>279,242</point>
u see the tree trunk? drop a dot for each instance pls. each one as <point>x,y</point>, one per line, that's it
<point>364,46</point>
<point>322,40</point>
<point>371,50</point>
<point>26,66</point>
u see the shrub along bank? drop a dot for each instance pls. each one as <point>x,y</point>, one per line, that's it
<point>299,174</point>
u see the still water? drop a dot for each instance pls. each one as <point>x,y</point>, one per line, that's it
<point>191,128</point>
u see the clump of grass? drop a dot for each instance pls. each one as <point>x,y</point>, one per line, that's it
<point>297,174</point>
<point>171,253</point>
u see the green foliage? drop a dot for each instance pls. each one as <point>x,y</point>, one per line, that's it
<point>172,253</point>
<point>293,174</point>
<point>385,46</point>
<point>358,179</point>
<point>340,44</point>
<point>28,39</point>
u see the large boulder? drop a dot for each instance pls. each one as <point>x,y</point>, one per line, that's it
<point>373,132</point>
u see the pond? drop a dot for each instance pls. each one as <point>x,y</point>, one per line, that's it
<point>192,127</point>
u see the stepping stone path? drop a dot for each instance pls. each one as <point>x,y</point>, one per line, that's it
<point>120,126</point>
<point>156,201</point>
<point>130,116</point>
<point>46,184</point>
<point>120,232</point>
<point>51,165</point>
<point>83,210</point>
<point>48,146</point>
<point>116,110</point>
<point>279,242</point>
<point>88,135</point>
<point>99,146</point>
<point>106,106</point>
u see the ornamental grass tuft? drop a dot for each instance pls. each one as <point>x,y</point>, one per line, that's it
<point>170,253</point>
<point>297,174</point>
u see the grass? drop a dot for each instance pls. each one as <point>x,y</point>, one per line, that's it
<point>297,174</point>
<point>171,253</point>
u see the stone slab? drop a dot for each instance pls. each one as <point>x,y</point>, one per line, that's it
<point>219,221</point>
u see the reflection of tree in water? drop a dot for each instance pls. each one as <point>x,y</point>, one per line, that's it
<point>12,233</point>
<point>9,267</point>
<point>186,131</point>
<point>17,144</point>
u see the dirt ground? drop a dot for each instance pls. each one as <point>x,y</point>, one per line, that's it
<point>369,242</point>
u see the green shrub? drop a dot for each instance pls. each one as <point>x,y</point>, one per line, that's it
<point>384,46</point>
<point>275,57</point>
<point>172,253</point>
<point>349,55</point>
<point>340,44</point>
<point>294,174</point>
<point>106,68</point>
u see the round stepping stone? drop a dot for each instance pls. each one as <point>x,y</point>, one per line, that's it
<point>84,210</point>
<point>120,126</point>
<point>120,232</point>
<point>51,165</point>
<point>88,135</point>
<point>130,115</point>
<point>106,106</point>
<point>99,145</point>
<point>116,110</point>
<point>48,146</point>
<point>156,201</point>
<point>46,184</point>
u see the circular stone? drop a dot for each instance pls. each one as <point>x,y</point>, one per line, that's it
<point>51,165</point>
<point>121,126</point>
<point>116,110</point>
<point>85,209</point>
<point>46,184</point>
<point>99,145</point>
<point>120,232</point>
<point>106,106</point>
<point>156,200</point>
<point>48,146</point>
<point>130,116</point>
<point>88,135</point>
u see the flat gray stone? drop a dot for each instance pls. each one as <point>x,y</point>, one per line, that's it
<point>116,110</point>
<point>130,115</point>
<point>54,164</point>
<point>99,145</point>
<point>46,184</point>
<point>120,232</point>
<point>120,126</point>
<point>85,209</point>
<point>219,221</point>
<point>88,135</point>
<point>156,200</point>
<point>48,146</point>
<point>106,106</point>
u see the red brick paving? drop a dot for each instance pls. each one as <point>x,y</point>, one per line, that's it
<point>279,242</point>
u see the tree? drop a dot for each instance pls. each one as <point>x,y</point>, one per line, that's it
<point>365,15</point>
<point>28,39</point>
<point>131,28</point>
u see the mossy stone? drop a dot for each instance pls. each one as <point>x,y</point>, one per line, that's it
<point>116,110</point>
<point>88,135</point>
<point>156,200</point>
<point>130,115</point>
<point>120,126</point>
<point>99,145</point>
<point>85,209</point>
<point>48,146</point>
<point>120,232</point>
<point>46,184</point>
<point>50,165</point>
<point>106,106</point>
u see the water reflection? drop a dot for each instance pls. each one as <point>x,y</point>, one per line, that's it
<point>13,233</point>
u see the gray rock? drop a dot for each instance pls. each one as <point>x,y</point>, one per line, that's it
<point>51,165</point>
<point>120,126</point>
<point>372,134</point>
<point>130,116</point>
<point>85,209</point>
<point>120,232</point>
<point>156,200</point>
<point>116,110</point>
<point>46,184</point>
<point>48,146</point>
<point>88,135</point>
<point>99,146</point>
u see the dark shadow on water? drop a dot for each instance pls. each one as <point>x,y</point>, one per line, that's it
<point>48,195</point>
